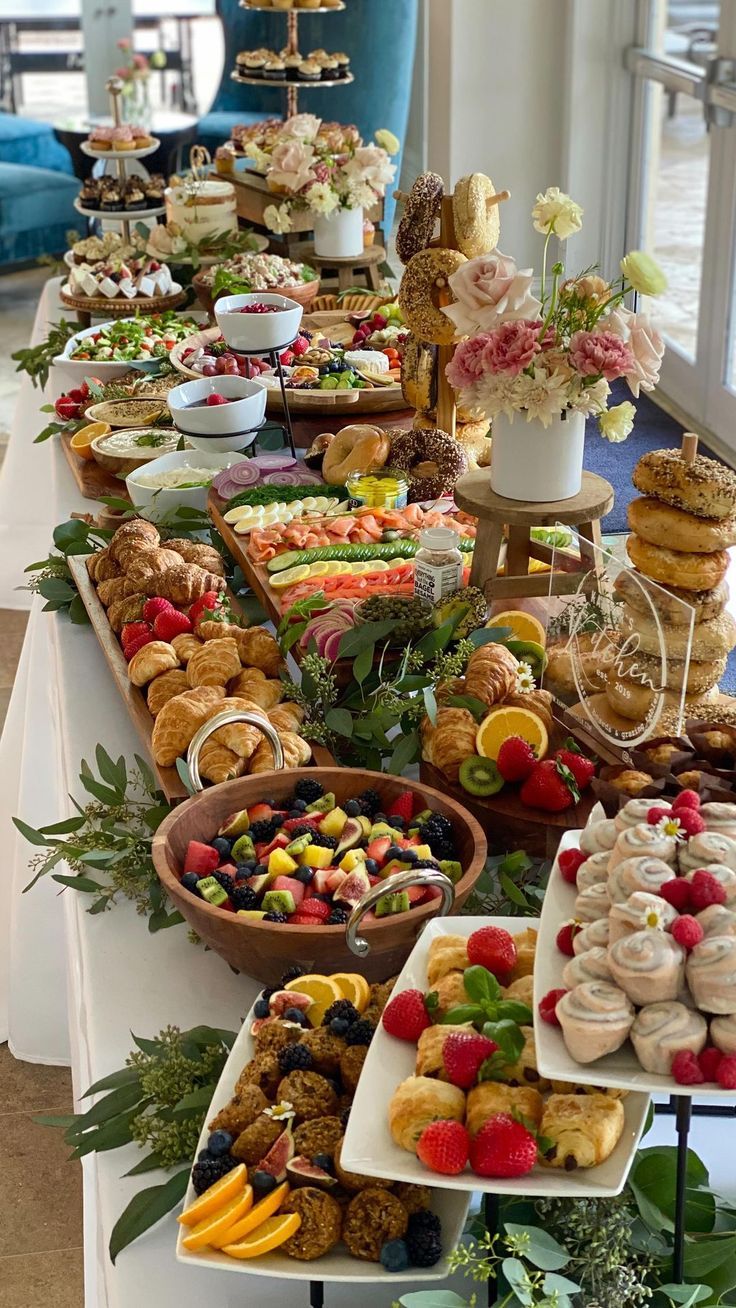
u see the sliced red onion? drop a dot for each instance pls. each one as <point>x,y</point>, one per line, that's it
<point>226,488</point>
<point>283,478</point>
<point>274,462</point>
<point>308,477</point>
<point>245,473</point>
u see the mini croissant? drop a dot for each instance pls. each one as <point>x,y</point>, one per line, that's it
<point>259,649</point>
<point>179,719</point>
<point>129,609</point>
<point>133,533</point>
<point>192,551</point>
<point>214,664</point>
<point>102,568</point>
<point>491,674</point>
<point>111,590</point>
<point>148,563</point>
<point>184,583</point>
<point>165,687</point>
<point>150,661</point>
<point>218,763</point>
<point>286,717</point>
<point>449,740</point>
<point>253,684</point>
<point>297,753</point>
<point>239,737</point>
<point>185,645</point>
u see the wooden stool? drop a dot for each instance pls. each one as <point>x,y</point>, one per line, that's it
<point>366,264</point>
<point>583,512</point>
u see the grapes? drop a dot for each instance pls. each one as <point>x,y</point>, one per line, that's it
<point>209,370</point>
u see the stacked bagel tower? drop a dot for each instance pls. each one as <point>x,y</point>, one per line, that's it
<point>681,529</point>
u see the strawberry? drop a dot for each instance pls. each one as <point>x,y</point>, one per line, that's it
<point>131,631</point>
<point>516,759</point>
<point>705,889</point>
<point>171,623</point>
<point>677,893</point>
<point>462,1054</point>
<point>134,645</point>
<point>550,786</point>
<point>548,1004</point>
<point>568,862</point>
<point>582,767</point>
<point>403,806</point>
<point>154,606</point>
<point>726,1072</point>
<point>686,799</point>
<point>494,949</point>
<point>503,1148</point>
<point>687,931</point>
<point>709,1060</point>
<point>565,937</point>
<point>210,601</point>
<point>443,1147</point>
<point>405,1016</point>
<point>315,908</point>
<point>685,1068</point>
<point>304,919</point>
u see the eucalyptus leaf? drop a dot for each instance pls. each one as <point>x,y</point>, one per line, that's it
<point>685,1295</point>
<point>363,663</point>
<point>84,884</point>
<point>117,1101</point>
<point>151,1163</point>
<point>185,775</point>
<point>30,834</point>
<point>78,613</point>
<point>404,753</point>
<point>430,704</point>
<point>435,640</point>
<point>433,1299</point>
<point>516,1275</point>
<point>489,635</point>
<point>475,706</point>
<point>124,1076</point>
<point>368,633</point>
<point>512,891</point>
<point>145,1209</point>
<point>109,1135</point>
<point>541,1249</point>
<point>340,720</point>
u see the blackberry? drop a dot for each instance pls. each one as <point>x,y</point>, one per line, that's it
<point>425,862</point>
<point>360,1033</point>
<point>303,829</point>
<point>205,1174</point>
<point>338,917</point>
<point>295,1057</point>
<point>308,790</point>
<point>274,917</point>
<point>327,842</point>
<point>438,833</point>
<point>264,830</point>
<point>424,1220</point>
<point>243,897</point>
<point>291,974</point>
<point>226,881</point>
<point>345,1117</point>
<point>343,1009</point>
<point>370,802</point>
<point>425,1248</point>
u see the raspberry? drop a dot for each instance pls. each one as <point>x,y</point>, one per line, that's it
<point>685,1068</point>
<point>705,889</point>
<point>655,815</point>
<point>516,759</point>
<point>503,1147</point>
<point>686,799</point>
<point>548,1004</point>
<point>726,1073</point>
<point>687,932</point>
<point>493,948</point>
<point>462,1053</point>
<point>568,862</point>
<point>405,1016</point>
<point>690,821</point>
<point>677,893</point>
<point>154,606</point>
<point>171,623</point>
<point>443,1147</point>
<point>134,645</point>
<point>709,1060</point>
<point>131,631</point>
<point>565,937</point>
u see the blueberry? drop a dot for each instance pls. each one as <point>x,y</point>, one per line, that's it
<point>352,808</point>
<point>299,804</point>
<point>395,1256</point>
<point>261,1008</point>
<point>304,874</point>
<point>339,1026</point>
<point>259,869</point>
<point>296,1015</point>
<point>371,867</point>
<point>263,1182</point>
<point>189,882</point>
<point>394,851</point>
<point>324,1161</point>
<point>223,846</point>
<point>294,813</point>
<point>219,1143</point>
<point>409,856</point>
<point>380,817</point>
<point>398,822</point>
<point>203,1155</point>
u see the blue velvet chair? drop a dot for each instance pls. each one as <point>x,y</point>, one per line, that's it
<point>36,211</point>
<point>26,141</point>
<point>378,35</point>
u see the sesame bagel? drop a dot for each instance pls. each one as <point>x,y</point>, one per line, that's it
<point>703,487</point>
<point>424,289</point>
<point>477,227</point>
<point>431,459</point>
<point>669,601</point>
<point>421,213</point>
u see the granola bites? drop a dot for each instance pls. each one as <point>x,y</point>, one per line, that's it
<point>320,1135</point>
<point>373,1217</point>
<point>320,1227</point>
<point>309,1094</point>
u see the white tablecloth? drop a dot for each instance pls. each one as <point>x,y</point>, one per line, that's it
<point>73,987</point>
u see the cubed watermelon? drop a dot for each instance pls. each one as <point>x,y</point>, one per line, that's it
<point>289,883</point>
<point>200,858</point>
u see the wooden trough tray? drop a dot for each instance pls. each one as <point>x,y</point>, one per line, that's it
<point>92,480</point>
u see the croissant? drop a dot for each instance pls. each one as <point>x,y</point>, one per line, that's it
<point>185,582</point>
<point>185,645</point>
<point>211,629</point>
<point>491,674</point>
<point>214,664</point>
<point>150,661</point>
<point>254,684</point>
<point>449,740</point>
<point>539,701</point>
<point>164,687</point>
<point>148,563</point>
<point>286,717</point>
<point>179,719</point>
<point>129,609</point>
<point>297,753</point>
<point>135,532</point>
<point>111,590</point>
<point>455,686</point>
<point>239,737</point>
<point>259,649</point>
<point>192,551</point>
<point>217,763</point>
<point>101,567</point>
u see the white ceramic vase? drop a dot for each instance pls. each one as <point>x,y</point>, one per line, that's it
<point>340,234</point>
<point>536,463</point>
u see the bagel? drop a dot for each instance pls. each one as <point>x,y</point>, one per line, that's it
<point>629,699</point>
<point>687,570</point>
<point>703,487</point>
<point>419,374</point>
<point>475,440</point>
<point>357,448</point>
<point>421,211</point>
<point>424,289</point>
<point>711,639</point>
<point>431,460</point>
<point>668,601</point>
<point>662,524</point>
<point>477,227</point>
<point>701,676</point>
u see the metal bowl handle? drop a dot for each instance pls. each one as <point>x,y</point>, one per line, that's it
<point>399,881</point>
<point>222,720</point>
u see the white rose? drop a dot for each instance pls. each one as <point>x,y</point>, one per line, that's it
<point>645,343</point>
<point>490,290</point>
<point>557,212</point>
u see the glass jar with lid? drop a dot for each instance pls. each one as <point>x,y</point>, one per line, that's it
<point>438,566</point>
<point>384,488</point>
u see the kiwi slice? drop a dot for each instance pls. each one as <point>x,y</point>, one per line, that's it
<point>529,651</point>
<point>480,776</point>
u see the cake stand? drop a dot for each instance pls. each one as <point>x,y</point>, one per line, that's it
<point>114,87</point>
<point>292,47</point>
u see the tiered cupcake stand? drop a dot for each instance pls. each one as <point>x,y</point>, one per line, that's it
<point>292,46</point>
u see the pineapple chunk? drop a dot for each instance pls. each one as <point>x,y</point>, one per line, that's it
<point>351,860</point>
<point>333,824</point>
<point>316,856</point>
<point>280,863</point>
<point>423,851</point>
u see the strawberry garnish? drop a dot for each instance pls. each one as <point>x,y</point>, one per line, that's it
<point>134,645</point>
<point>402,807</point>
<point>516,759</point>
<point>581,767</point>
<point>405,1016</point>
<point>494,949</point>
<point>443,1147</point>
<point>462,1054</point>
<point>503,1147</point>
<point>154,606</point>
<point>550,786</point>
<point>171,623</point>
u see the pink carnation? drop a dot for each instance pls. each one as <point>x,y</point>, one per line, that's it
<point>511,347</point>
<point>467,363</point>
<point>600,354</point>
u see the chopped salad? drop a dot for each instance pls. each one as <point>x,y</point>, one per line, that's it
<point>148,336</point>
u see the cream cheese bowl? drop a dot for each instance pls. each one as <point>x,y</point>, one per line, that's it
<point>121,452</point>
<point>220,427</point>
<point>155,503</point>
<point>252,332</point>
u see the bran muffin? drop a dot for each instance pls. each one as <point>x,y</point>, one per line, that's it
<point>309,1094</point>
<point>262,1071</point>
<point>255,1141</point>
<point>372,1218</point>
<point>242,1110</point>
<point>354,1181</point>
<point>325,1049</point>
<point>415,1198</point>
<point>321,1135</point>
<point>351,1066</point>
<point>275,1036</point>
<point>320,1227</point>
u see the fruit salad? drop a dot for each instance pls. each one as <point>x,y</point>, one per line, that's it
<point>309,861</point>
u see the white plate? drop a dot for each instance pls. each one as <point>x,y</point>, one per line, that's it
<point>622,1069</point>
<point>368,1146</point>
<point>339,1265</point>
<point>120,215</point>
<point>86,148</point>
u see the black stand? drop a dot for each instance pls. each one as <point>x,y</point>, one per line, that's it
<point>490,1221</point>
<point>683,1110</point>
<point>316,1294</point>
<point>274,358</point>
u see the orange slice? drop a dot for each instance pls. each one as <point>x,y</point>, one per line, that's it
<point>268,1236</point>
<point>322,991</point>
<point>524,626</point>
<point>228,1187</point>
<point>208,1230</point>
<point>255,1217</point>
<point>81,441</point>
<point>354,987</point>
<point>504,722</point>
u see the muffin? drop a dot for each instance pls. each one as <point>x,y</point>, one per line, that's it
<point>263,1071</point>
<point>351,1066</point>
<point>326,1049</point>
<point>255,1141</point>
<point>275,1036</point>
<point>310,1094</point>
<point>372,1218</point>
<point>320,1135</point>
<point>354,1181</point>
<point>320,1227</point>
<point>274,70</point>
<point>241,1112</point>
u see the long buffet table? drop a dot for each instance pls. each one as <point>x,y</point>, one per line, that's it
<point>73,987</point>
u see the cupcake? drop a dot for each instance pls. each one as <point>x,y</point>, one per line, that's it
<point>274,70</point>
<point>369,232</point>
<point>224,160</point>
<point>649,966</point>
<point>711,975</point>
<point>153,189</point>
<point>253,64</point>
<point>122,138</point>
<point>661,1030</point>
<point>134,197</point>
<point>343,64</point>
<point>112,199</point>
<point>89,194</point>
<point>641,911</point>
<point>292,63</point>
<point>330,70</point>
<point>141,138</point>
<point>100,139</point>
<point>309,71</point>
<point>596,1018</point>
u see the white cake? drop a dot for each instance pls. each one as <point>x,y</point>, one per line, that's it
<point>204,210</point>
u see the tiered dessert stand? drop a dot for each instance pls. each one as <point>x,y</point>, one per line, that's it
<point>292,47</point>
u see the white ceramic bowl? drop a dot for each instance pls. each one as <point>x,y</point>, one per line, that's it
<point>156,504</point>
<point>258,331</point>
<point>73,371</point>
<point>220,427</point>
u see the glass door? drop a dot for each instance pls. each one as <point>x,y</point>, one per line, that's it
<point>682,195</point>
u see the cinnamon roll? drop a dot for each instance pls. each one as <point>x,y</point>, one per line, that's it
<point>711,974</point>
<point>723,1033</point>
<point>662,1030</point>
<point>596,1018</point>
<point>717,920</point>
<point>725,876</point>
<point>592,903</point>
<point>590,966</point>
<point>706,848</point>
<point>642,911</point>
<point>720,818</point>
<point>595,933</point>
<point>598,836</point>
<point>635,811</point>
<point>648,966</point>
<point>637,874</point>
<point>593,870</point>
<point>642,841</point>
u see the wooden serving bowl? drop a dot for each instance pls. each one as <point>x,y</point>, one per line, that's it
<point>265,949</point>
<point>304,294</point>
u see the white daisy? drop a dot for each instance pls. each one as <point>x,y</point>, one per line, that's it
<point>524,679</point>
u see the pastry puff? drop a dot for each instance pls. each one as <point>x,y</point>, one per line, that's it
<point>522,990</point>
<point>297,752</point>
<point>111,590</point>
<point>286,717</point>
<point>453,957</point>
<point>418,1101</point>
<point>239,738</point>
<point>430,1060</point>
<point>449,740</point>
<point>490,1097</point>
<point>150,661</point>
<point>218,763</point>
<point>164,687</point>
<point>526,944</point>
<point>179,719</point>
<point>524,1071</point>
<point>216,663</point>
<point>451,992</point>
<point>253,684</point>
<point>584,1129</point>
<point>186,644</point>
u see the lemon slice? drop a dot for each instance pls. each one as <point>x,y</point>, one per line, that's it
<point>501,723</point>
<point>81,441</point>
<point>268,1236</point>
<point>289,576</point>
<point>524,626</point>
<point>322,990</point>
<point>254,1218</point>
<point>320,568</point>
<point>353,987</point>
